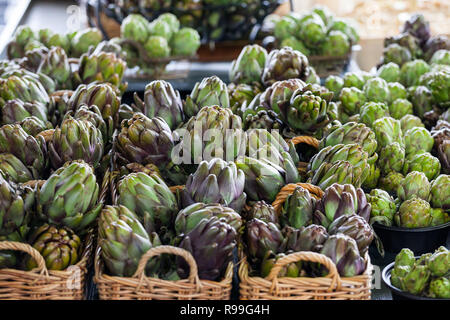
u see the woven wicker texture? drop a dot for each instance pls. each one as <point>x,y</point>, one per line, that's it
<point>141,287</point>
<point>331,287</point>
<point>313,142</point>
<point>43,284</point>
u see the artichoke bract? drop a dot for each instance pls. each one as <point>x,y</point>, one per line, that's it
<point>123,240</point>
<point>339,200</point>
<point>343,251</point>
<point>33,125</point>
<point>216,181</point>
<point>249,65</point>
<point>387,130</point>
<point>298,208</point>
<point>416,185</point>
<point>413,213</point>
<point>355,227</point>
<point>75,140</point>
<point>16,110</point>
<point>16,207</point>
<point>13,169</point>
<point>209,92</point>
<point>144,141</point>
<point>60,247</point>
<point>440,192</point>
<point>188,218</point>
<point>372,178</point>
<point>392,158</point>
<point>351,133</point>
<point>284,64</point>
<point>263,237</point>
<point>69,197</point>
<point>423,162</point>
<point>211,243</point>
<point>161,100</point>
<point>150,199</point>
<point>14,140</point>
<point>372,111</point>
<point>383,207</point>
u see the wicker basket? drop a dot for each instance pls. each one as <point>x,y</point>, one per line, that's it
<point>313,142</point>
<point>41,283</point>
<point>331,287</point>
<point>141,287</point>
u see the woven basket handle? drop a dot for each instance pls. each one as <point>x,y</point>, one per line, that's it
<point>306,139</point>
<point>288,189</point>
<point>306,256</point>
<point>19,246</point>
<point>156,251</point>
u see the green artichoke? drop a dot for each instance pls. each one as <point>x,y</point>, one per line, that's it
<point>397,91</point>
<point>262,211</point>
<point>75,140</point>
<point>422,100</point>
<point>440,192</point>
<point>440,288</point>
<point>371,111</point>
<point>150,199</point>
<point>60,247</point>
<point>352,99</point>
<point>371,181</point>
<point>377,90</point>
<point>161,100</point>
<point>135,27</point>
<point>16,110</point>
<point>418,140</point>
<point>423,162</point>
<point>441,57</point>
<point>310,238</point>
<point>70,197</point>
<point>263,120</point>
<point>391,181</point>
<point>24,88</point>
<point>157,47</point>
<point>56,65</point>
<point>387,131</point>
<point>416,280</point>
<point>83,40</point>
<point>399,108</point>
<point>343,251</point>
<point>338,172</point>
<point>396,54</point>
<point>291,270</point>
<point>284,64</point>
<point>439,216</point>
<point>185,42</point>
<point>33,125</point>
<point>439,262</point>
<point>144,141</point>
<point>249,65</point>
<point>334,84</point>
<point>216,181</point>
<point>405,258</point>
<point>340,200</point>
<point>336,44</point>
<point>344,25</point>
<point>416,185</point>
<point>382,205</point>
<point>188,218</point>
<point>410,121</point>
<point>160,28</point>
<point>413,213</point>
<point>353,79</point>
<point>411,71</point>
<point>389,72</point>
<point>313,31</point>
<point>123,241</point>
<point>279,94</point>
<point>14,140</point>
<point>298,209</point>
<point>13,169</point>
<point>439,84</point>
<point>295,44</point>
<point>171,20</point>
<point>284,28</point>
<point>209,92</point>
<point>392,158</point>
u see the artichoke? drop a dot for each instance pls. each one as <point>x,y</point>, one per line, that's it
<point>440,192</point>
<point>75,140</point>
<point>373,177</point>
<point>284,64</point>
<point>241,96</point>
<point>263,120</point>
<point>371,111</point>
<point>434,44</point>
<point>185,42</point>
<point>343,251</point>
<point>16,110</point>
<point>396,54</point>
<point>439,84</point>
<point>334,84</point>
<point>69,197</point>
<point>135,27</point>
<point>418,27</point>
<point>442,147</point>
<point>188,218</point>
<point>377,90</point>
<point>285,28</point>
<point>339,200</point>
<point>339,172</point>
<point>417,279</point>
<point>415,185</point>
<point>310,238</point>
<point>353,79</point>
<point>440,288</point>
<point>144,141</point>
<point>216,181</point>
<point>209,92</point>
<point>13,169</point>
<point>157,47</point>
<point>298,209</point>
<point>278,95</point>
<point>14,140</point>
<point>387,131</point>
<point>292,269</point>
<point>399,108</point>
<point>411,71</point>
<point>410,121</point>
<point>351,133</point>
<point>441,57</point>
<point>352,99</point>
<point>418,140</point>
<point>161,100</point>
<point>263,237</point>
<point>249,65</point>
<point>24,88</point>
<point>60,247</point>
<point>389,72</point>
<point>422,100</point>
<point>413,213</point>
<point>33,125</point>
<point>123,241</point>
<point>397,91</point>
<point>382,205</point>
<point>262,211</point>
<point>423,162</point>
<point>160,28</point>
<point>211,243</point>
<point>83,40</point>
<point>336,44</point>
<point>313,31</point>
<point>391,181</point>
<point>56,65</point>
<point>171,20</point>
<point>295,44</point>
<point>439,262</point>
<point>392,158</point>
<point>355,227</point>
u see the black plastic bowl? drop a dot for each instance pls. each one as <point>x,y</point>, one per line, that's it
<point>398,294</point>
<point>419,240</point>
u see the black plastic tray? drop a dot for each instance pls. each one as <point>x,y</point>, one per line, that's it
<point>419,240</point>
<point>398,294</point>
